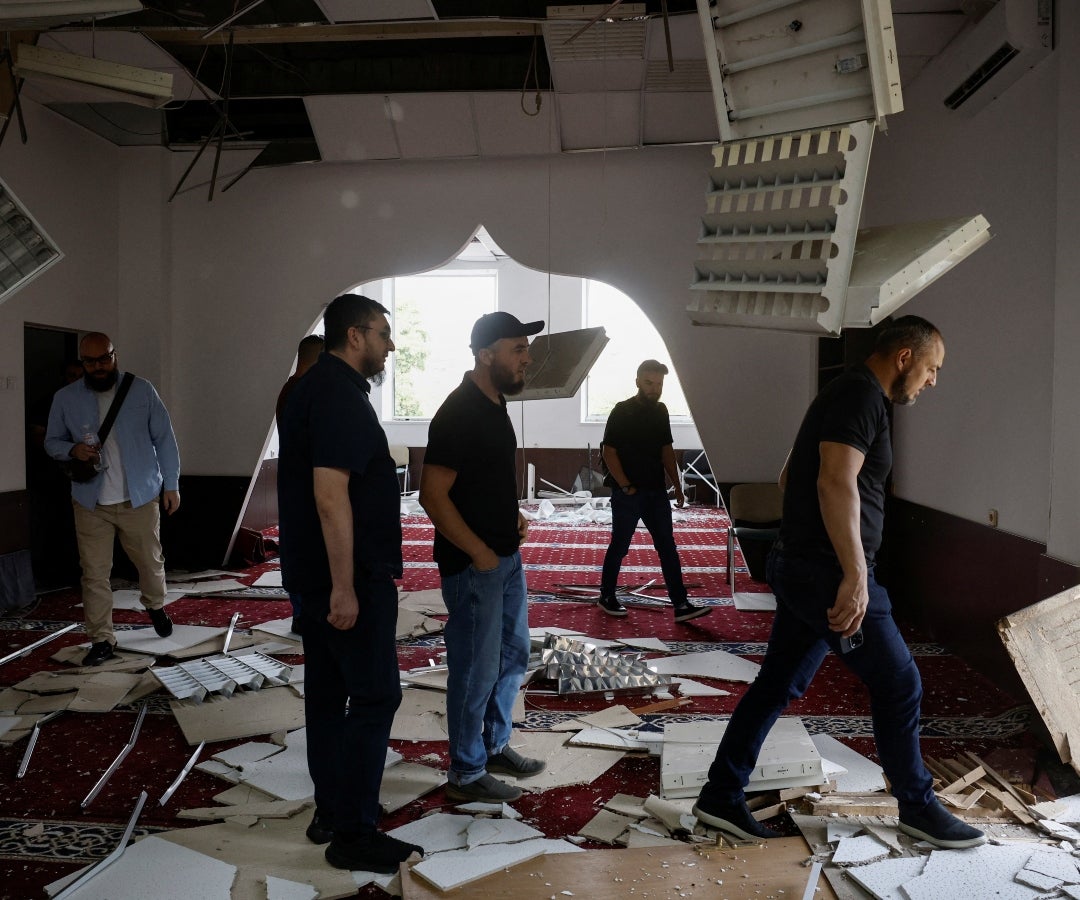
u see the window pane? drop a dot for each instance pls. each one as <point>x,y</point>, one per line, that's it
<point>633,339</point>
<point>433,316</point>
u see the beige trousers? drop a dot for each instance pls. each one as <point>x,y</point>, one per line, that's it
<point>139,536</point>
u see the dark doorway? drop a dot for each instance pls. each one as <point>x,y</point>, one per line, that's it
<point>47,354</point>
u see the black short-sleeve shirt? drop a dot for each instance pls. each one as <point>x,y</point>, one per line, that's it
<point>475,438</point>
<point>328,422</point>
<point>638,431</point>
<point>851,409</point>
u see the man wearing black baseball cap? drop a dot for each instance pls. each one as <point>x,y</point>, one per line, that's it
<point>469,488</point>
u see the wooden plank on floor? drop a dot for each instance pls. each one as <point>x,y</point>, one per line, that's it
<point>770,868</point>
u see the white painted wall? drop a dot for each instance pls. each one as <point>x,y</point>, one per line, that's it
<point>981,439</point>
<point>252,270</point>
<point>67,179</point>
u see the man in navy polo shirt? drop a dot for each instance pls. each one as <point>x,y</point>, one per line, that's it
<point>340,526</point>
<point>822,572</point>
<point>469,488</point>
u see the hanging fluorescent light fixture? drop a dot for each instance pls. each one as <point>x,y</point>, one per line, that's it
<point>25,249</point>
<point>124,84</point>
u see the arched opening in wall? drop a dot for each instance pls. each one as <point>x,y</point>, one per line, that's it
<point>431,315</point>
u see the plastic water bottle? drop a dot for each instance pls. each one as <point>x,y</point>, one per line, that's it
<point>91,441</point>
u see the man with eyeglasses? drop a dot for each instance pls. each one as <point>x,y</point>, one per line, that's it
<point>138,459</point>
<point>339,515</point>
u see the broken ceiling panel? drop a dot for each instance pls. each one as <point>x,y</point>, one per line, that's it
<point>784,66</point>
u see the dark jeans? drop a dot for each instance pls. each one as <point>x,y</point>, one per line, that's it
<point>805,590</point>
<point>654,509</point>
<point>346,746</point>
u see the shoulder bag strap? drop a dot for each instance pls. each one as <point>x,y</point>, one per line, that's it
<point>114,407</point>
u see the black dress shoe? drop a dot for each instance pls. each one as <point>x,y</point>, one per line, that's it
<point>162,622</point>
<point>99,652</point>
<point>319,831</point>
<point>370,852</point>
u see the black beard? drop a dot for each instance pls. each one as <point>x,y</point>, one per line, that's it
<point>503,380</point>
<point>101,385</point>
<point>378,378</point>
<point>649,401</point>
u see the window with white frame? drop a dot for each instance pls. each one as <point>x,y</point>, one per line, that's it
<point>632,339</point>
<point>433,315</point>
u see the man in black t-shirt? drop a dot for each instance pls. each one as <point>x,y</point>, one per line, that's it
<point>469,488</point>
<point>638,454</point>
<point>339,513</point>
<point>822,573</point>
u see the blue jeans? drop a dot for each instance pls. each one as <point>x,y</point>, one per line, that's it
<point>654,509</point>
<point>805,589</point>
<point>346,745</point>
<point>487,651</point>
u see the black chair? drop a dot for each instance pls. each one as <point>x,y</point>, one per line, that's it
<point>755,511</point>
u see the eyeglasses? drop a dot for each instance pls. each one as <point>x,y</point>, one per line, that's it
<point>89,361</point>
<point>384,334</point>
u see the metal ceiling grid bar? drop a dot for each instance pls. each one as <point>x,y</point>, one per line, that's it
<point>778,234</point>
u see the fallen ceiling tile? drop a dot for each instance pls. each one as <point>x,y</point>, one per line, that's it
<point>271,809</point>
<point>250,752</point>
<point>146,640</point>
<point>499,831</point>
<point>459,867</point>
<point>420,717</point>
<point>132,600</point>
<point>708,664</point>
<point>495,809</point>
<point>565,765</point>
<point>863,776</point>
<point>429,602</point>
<point>884,879</point>
<point>1059,864</point>
<point>280,889</point>
<point>974,874</point>
<point>155,868</point>
<point>406,782</point>
<point>243,715</point>
<point>605,826</point>
<point>754,602</point>
<point>856,851</point>
<point>617,716</point>
<point>436,833</point>
<point>627,805</point>
<point>608,739</point>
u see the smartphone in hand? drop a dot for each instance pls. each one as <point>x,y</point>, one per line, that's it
<point>847,644</point>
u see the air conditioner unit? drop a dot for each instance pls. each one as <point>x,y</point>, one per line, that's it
<point>988,58</point>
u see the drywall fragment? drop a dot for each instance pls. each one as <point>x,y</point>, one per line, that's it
<point>627,805</point>
<point>754,602</point>
<point>420,717</point>
<point>1064,809</point>
<point>884,879</point>
<point>457,867</point>
<point>565,765</point>
<point>280,889</point>
<point>245,714</point>
<point>841,828</point>
<point>636,838</point>
<point>605,826</point>
<point>857,851</point>
<point>250,752</point>
<point>675,816</point>
<point>429,602</point>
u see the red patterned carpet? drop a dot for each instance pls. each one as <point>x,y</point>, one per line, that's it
<point>961,710</point>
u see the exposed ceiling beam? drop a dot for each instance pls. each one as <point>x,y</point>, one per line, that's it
<point>312,34</point>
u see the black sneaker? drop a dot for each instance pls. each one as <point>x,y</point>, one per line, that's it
<point>162,622</point>
<point>734,818</point>
<point>370,852</point>
<point>684,612</point>
<point>510,762</point>
<point>99,652</point>
<point>940,827</point>
<point>319,831</point>
<point>611,606</point>
<point>486,789</point>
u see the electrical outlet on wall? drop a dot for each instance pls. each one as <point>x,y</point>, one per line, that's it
<point>992,518</point>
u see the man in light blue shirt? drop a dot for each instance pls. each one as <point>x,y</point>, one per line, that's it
<point>138,459</point>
